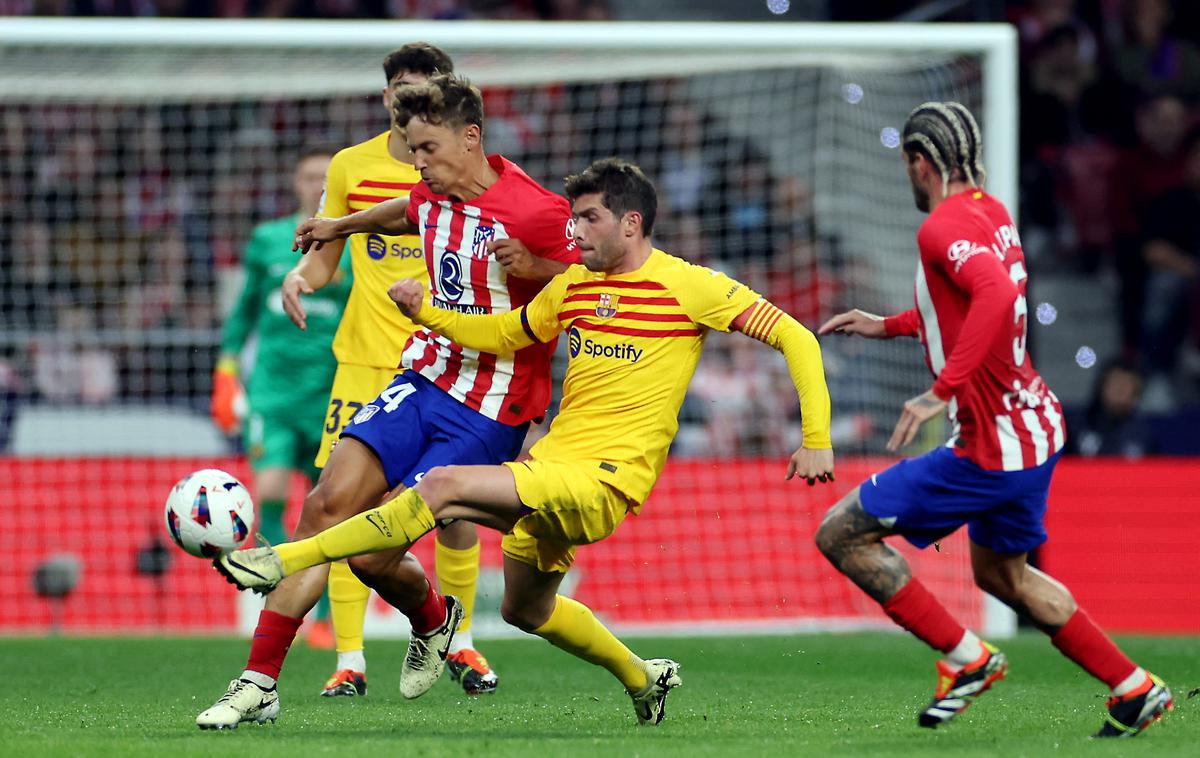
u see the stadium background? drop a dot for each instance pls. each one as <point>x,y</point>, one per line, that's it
<point>124,209</point>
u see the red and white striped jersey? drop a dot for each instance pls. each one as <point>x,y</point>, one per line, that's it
<point>971,319</point>
<point>464,276</point>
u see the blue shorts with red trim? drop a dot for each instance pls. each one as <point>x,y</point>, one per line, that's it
<point>414,425</point>
<point>927,498</point>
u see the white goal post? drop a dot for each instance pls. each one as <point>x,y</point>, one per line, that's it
<point>811,107</point>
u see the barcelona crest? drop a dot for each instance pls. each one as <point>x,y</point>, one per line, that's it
<point>607,306</point>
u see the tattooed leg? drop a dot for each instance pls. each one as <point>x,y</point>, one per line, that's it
<point>852,540</point>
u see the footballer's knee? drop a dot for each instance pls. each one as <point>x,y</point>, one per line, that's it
<point>525,616</point>
<point>438,487</point>
<point>836,530</point>
<point>1004,588</point>
<point>323,507</point>
<point>368,568</point>
<point>401,572</point>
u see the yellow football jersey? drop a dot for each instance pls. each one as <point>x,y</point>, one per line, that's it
<point>634,340</point>
<point>373,331</point>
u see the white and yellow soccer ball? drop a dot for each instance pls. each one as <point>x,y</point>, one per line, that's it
<point>209,512</point>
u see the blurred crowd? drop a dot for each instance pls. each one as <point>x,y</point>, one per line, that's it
<point>1110,140</point>
<point>121,226</point>
<point>511,10</point>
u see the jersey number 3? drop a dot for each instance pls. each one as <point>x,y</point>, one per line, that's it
<point>1020,313</point>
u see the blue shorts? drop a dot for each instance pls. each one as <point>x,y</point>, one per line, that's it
<point>413,426</point>
<point>924,499</point>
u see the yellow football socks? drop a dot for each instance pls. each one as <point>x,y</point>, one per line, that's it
<point>573,628</point>
<point>458,574</point>
<point>348,606</point>
<point>397,523</point>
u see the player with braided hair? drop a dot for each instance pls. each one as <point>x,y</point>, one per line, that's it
<point>994,473</point>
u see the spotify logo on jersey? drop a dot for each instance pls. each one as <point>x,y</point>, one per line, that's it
<point>573,342</point>
<point>376,247</point>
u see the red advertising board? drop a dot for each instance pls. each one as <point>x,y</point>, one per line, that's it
<point>719,545</point>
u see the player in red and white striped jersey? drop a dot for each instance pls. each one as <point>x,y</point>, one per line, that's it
<point>994,474</point>
<point>971,319</point>
<point>464,275</point>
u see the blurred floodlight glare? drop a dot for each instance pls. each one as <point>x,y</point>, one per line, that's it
<point>852,93</point>
<point>890,137</point>
<point>1047,314</point>
<point>1085,357</point>
<point>778,7</point>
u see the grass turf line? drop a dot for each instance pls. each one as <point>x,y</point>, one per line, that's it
<point>852,694</point>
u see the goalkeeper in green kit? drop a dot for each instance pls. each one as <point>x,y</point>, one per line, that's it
<point>287,390</point>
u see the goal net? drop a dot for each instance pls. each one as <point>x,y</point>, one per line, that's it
<point>137,156</point>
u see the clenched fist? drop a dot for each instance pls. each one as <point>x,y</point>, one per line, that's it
<point>408,295</point>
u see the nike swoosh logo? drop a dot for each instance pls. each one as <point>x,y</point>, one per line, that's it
<point>444,651</point>
<point>244,568</point>
<point>381,525</point>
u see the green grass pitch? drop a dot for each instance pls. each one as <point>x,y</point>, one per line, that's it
<point>850,694</point>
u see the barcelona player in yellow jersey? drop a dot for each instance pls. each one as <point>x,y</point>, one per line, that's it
<point>636,318</point>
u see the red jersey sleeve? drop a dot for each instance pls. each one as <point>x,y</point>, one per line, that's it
<point>973,268</point>
<point>549,230</point>
<point>417,195</point>
<point>906,324</point>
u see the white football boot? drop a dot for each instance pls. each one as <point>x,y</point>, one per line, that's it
<point>650,704</point>
<point>243,701</point>
<point>426,655</point>
<point>257,568</point>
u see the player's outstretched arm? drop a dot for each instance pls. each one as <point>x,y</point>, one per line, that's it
<point>499,333</point>
<point>856,322</point>
<point>389,217</point>
<point>313,272</point>
<point>813,462</point>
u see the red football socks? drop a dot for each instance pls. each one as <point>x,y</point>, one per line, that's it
<point>272,638</point>
<point>918,611</point>
<point>429,615</point>
<point>1085,643</point>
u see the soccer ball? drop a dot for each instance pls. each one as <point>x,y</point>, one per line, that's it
<point>209,513</point>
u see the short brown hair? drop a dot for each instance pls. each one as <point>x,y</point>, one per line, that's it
<point>444,99</point>
<point>417,58</point>
<point>622,187</point>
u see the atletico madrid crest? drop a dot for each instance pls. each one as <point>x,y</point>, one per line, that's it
<point>607,306</point>
<point>483,235</point>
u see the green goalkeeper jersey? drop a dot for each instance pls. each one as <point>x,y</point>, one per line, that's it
<point>293,369</point>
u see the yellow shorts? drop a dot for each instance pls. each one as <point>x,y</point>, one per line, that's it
<point>570,507</point>
<point>353,387</point>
